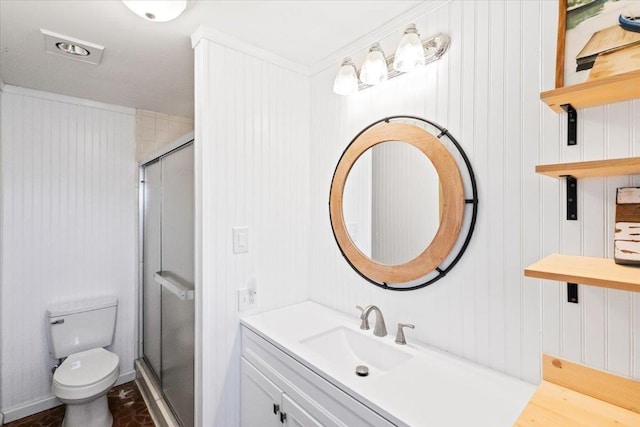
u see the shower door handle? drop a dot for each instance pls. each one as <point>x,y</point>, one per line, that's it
<point>173,287</point>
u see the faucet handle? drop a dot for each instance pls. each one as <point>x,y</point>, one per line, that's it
<point>365,321</point>
<point>400,338</point>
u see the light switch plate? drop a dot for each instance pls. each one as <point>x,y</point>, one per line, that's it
<point>240,240</point>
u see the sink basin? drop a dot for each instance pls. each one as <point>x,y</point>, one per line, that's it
<point>345,347</point>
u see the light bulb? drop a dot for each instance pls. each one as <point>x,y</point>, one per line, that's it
<point>374,70</point>
<point>410,53</point>
<point>346,82</point>
<point>157,10</point>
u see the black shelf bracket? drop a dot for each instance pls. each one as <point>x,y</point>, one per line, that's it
<point>572,198</point>
<point>572,293</point>
<point>572,124</point>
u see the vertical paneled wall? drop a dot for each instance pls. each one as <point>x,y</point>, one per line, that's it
<point>68,229</point>
<point>486,92</point>
<point>252,169</point>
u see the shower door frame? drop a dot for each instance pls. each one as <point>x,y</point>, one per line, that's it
<point>178,144</point>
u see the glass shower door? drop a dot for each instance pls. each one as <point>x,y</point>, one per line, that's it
<point>178,310</point>
<point>151,263</point>
<point>168,278</point>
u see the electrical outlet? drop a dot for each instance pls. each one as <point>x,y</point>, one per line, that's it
<point>246,299</point>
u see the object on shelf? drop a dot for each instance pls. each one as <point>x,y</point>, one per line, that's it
<point>626,241</point>
<point>630,21</point>
<point>602,42</point>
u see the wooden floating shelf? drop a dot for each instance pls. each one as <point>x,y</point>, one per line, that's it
<point>603,272</point>
<point>575,395</point>
<point>612,167</point>
<point>605,90</point>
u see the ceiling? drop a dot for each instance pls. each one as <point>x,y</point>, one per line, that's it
<point>149,65</point>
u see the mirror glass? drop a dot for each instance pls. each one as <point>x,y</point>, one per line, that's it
<point>391,203</point>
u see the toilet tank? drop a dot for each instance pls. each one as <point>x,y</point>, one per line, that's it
<point>81,325</point>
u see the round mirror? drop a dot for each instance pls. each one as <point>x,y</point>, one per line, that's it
<point>391,202</point>
<point>397,203</point>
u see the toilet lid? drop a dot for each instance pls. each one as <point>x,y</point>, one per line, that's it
<point>86,368</point>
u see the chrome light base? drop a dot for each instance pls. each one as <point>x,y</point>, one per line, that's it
<point>434,46</point>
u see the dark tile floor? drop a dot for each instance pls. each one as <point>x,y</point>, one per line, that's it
<point>125,402</point>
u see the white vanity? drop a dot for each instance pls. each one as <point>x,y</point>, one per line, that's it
<point>298,369</point>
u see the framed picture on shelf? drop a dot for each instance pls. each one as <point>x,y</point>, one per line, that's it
<point>626,240</point>
<point>596,39</point>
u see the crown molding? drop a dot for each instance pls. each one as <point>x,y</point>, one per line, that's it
<point>231,42</point>
<point>33,93</point>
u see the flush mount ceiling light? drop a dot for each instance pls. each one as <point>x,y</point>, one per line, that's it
<point>346,81</point>
<point>412,53</point>
<point>72,48</point>
<point>374,70</point>
<point>157,10</point>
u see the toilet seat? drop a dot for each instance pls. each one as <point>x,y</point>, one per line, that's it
<point>85,374</point>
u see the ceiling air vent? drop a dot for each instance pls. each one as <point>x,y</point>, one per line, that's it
<point>69,47</point>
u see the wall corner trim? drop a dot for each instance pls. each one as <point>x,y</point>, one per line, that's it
<point>207,33</point>
<point>49,96</point>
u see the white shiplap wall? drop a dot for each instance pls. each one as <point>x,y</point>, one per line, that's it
<point>252,162</point>
<point>68,178</point>
<point>486,92</point>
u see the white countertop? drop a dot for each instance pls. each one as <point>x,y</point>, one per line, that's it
<point>432,388</point>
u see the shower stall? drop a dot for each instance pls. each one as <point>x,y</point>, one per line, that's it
<point>166,366</point>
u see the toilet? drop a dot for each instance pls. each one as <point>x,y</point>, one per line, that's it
<point>78,331</point>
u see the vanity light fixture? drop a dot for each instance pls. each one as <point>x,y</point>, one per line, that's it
<point>412,53</point>
<point>157,10</point>
<point>346,82</point>
<point>374,70</point>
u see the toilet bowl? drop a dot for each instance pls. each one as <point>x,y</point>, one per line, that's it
<point>82,382</point>
<point>78,331</point>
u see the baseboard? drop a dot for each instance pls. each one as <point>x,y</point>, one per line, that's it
<point>33,407</point>
<point>29,408</point>
<point>126,377</point>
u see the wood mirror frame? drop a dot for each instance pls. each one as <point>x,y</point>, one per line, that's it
<point>453,204</point>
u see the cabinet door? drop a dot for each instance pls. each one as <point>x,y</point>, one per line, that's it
<point>296,416</point>
<point>260,399</point>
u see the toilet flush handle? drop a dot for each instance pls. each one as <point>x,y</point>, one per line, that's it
<point>57,322</point>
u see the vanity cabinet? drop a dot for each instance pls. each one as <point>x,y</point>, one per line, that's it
<point>270,376</point>
<point>263,404</point>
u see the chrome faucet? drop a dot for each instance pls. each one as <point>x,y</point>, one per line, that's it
<point>380,329</point>
<point>400,338</point>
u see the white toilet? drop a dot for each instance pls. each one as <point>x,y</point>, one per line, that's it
<point>78,331</point>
